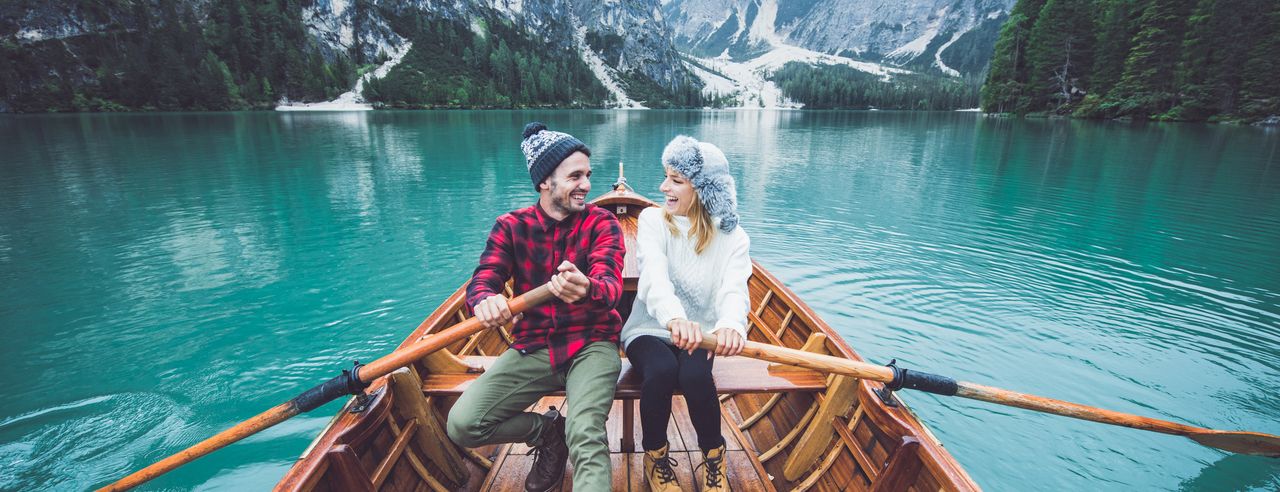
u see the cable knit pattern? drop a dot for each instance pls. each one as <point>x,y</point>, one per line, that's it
<point>709,289</point>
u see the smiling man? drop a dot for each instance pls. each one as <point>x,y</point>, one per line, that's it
<point>571,343</point>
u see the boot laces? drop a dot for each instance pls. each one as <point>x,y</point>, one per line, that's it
<point>542,455</point>
<point>713,470</point>
<point>663,467</point>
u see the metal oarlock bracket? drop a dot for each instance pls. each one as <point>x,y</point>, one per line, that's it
<point>886,393</point>
<point>356,387</point>
<point>916,380</point>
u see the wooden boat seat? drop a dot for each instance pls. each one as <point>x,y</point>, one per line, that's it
<point>733,375</point>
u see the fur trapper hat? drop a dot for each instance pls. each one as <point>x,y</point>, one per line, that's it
<point>708,170</point>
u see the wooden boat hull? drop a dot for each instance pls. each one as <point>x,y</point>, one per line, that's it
<point>786,429</point>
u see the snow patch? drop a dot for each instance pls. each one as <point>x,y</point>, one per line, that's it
<point>713,83</point>
<point>604,73</point>
<point>995,14</point>
<point>742,22</point>
<point>918,45</point>
<point>510,6</point>
<point>346,35</point>
<point>745,81</point>
<point>937,57</point>
<point>762,28</point>
<point>782,54</point>
<point>748,80</point>
<point>351,100</point>
<point>31,35</point>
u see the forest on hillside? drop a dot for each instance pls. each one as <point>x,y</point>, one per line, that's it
<point>1178,60</point>
<point>450,65</point>
<point>251,54</point>
<point>243,54</point>
<point>844,87</point>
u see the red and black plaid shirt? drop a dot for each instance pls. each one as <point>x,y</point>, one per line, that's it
<point>527,245</point>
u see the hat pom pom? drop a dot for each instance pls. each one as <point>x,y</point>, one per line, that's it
<point>728,223</point>
<point>533,128</point>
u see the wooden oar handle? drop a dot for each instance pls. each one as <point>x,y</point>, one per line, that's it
<point>444,338</point>
<point>809,360</point>
<point>326,392</point>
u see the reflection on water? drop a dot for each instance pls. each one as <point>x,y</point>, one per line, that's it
<point>163,276</point>
<point>1236,472</point>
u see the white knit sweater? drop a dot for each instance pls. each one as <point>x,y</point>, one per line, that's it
<point>709,288</point>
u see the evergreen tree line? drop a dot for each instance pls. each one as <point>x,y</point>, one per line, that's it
<point>844,87</point>
<point>158,55</point>
<point>450,65</point>
<point>1157,59</point>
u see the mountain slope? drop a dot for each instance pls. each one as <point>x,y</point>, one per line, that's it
<point>900,33</point>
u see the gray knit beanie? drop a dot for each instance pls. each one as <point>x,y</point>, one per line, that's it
<point>707,168</point>
<point>544,150</point>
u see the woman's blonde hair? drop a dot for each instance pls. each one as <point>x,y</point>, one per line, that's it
<point>701,230</point>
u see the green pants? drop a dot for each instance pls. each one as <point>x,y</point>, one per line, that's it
<point>492,410</point>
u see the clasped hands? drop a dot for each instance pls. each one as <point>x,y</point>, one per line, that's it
<point>686,335</point>
<point>570,285</point>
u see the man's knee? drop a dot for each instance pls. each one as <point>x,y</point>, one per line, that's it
<point>465,430</point>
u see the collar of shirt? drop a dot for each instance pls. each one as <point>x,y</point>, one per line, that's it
<point>547,222</point>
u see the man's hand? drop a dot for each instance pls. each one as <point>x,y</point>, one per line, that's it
<point>493,311</point>
<point>570,285</point>
<point>729,342</point>
<point>685,334</point>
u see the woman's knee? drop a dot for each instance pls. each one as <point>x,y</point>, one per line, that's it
<point>696,379</point>
<point>659,376</point>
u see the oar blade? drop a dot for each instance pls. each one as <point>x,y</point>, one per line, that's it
<point>1255,443</point>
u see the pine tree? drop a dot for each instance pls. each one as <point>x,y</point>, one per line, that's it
<point>1005,89</point>
<point>1260,85</point>
<point>1147,87</point>
<point>1060,54</point>
<point>1209,72</point>
<point>1115,31</point>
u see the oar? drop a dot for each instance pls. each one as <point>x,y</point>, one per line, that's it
<point>897,378</point>
<point>349,382</point>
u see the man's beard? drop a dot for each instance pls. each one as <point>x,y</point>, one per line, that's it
<point>563,203</point>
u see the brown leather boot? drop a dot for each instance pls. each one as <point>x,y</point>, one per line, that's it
<point>550,455</point>
<point>716,478</point>
<point>658,472</point>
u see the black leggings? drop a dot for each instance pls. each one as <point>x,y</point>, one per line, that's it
<point>664,368</point>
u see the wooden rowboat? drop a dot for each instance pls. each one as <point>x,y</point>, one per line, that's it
<point>786,428</point>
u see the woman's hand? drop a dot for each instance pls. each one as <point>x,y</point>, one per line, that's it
<point>685,334</point>
<point>729,342</point>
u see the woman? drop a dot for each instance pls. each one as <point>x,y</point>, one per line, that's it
<point>694,266</point>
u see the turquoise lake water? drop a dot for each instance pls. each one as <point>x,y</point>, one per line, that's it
<point>164,276</point>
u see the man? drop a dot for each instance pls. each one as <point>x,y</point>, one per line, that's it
<point>569,343</point>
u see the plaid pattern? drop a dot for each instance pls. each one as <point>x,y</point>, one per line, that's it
<point>526,245</point>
